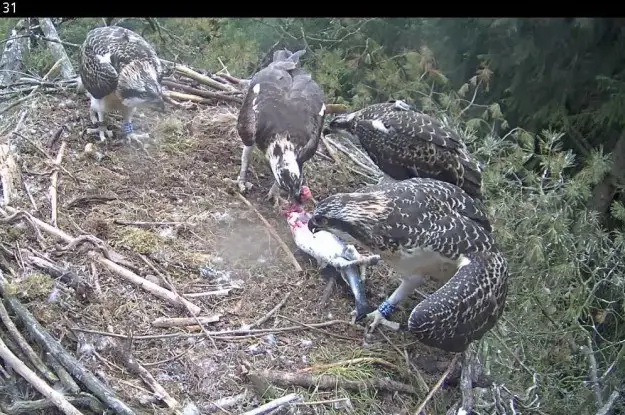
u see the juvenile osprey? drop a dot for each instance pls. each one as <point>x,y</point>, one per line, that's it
<point>423,226</point>
<point>282,114</point>
<point>404,143</point>
<point>120,71</point>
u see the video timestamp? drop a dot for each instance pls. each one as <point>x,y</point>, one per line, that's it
<point>8,8</point>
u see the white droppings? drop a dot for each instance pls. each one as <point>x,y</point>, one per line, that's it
<point>323,110</point>
<point>256,89</point>
<point>106,58</point>
<point>464,262</point>
<point>379,125</point>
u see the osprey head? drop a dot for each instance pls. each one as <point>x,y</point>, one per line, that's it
<point>341,123</point>
<point>139,85</point>
<point>353,214</point>
<point>286,168</point>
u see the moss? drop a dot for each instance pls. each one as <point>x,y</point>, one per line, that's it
<point>140,240</point>
<point>34,286</point>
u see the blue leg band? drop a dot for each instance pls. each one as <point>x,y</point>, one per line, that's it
<point>127,128</point>
<point>386,309</point>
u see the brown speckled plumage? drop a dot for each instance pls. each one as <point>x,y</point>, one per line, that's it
<point>418,225</point>
<point>123,47</point>
<point>404,143</point>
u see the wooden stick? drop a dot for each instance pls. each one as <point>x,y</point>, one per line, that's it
<point>437,386</point>
<point>276,403</point>
<point>351,362</point>
<point>217,293</point>
<point>273,233</point>
<point>134,366</point>
<point>30,407</point>
<point>66,379</point>
<point>307,380</point>
<point>184,321</point>
<point>54,183</point>
<point>201,93</point>
<point>68,361</point>
<point>203,79</point>
<point>149,286</point>
<point>269,314</point>
<point>38,383</point>
<point>9,174</point>
<point>23,344</point>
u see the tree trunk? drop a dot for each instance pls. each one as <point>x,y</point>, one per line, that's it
<point>15,50</point>
<point>603,193</point>
<point>56,48</point>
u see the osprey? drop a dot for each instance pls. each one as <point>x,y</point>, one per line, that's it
<point>283,115</point>
<point>404,143</point>
<point>422,226</point>
<point>120,71</point>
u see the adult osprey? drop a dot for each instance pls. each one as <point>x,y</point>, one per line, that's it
<point>283,115</point>
<point>404,143</point>
<point>120,71</point>
<point>423,226</point>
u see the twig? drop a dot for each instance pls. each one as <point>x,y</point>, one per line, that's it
<point>351,362</point>
<point>64,376</point>
<point>268,315</point>
<point>38,383</point>
<point>273,233</point>
<point>132,365</point>
<point>188,72</point>
<point>73,366</point>
<point>326,402</point>
<point>417,373</point>
<point>31,407</point>
<point>54,184</point>
<point>592,371</point>
<point>607,407</point>
<point>215,293</point>
<point>438,385</point>
<point>9,174</point>
<point>307,380</point>
<point>184,321</point>
<point>23,344</point>
<point>276,403</point>
<point>201,93</point>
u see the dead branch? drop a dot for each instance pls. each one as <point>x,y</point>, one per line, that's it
<point>133,366</point>
<point>29,407</point>
<point>165,322</point>
<point>10,176</point>
<point>149,286</point>
<point>273,233</point>
<point>73,366</point>
<point>336,109</point>
<point>275,404</point>
<point>64,376</point>
<point>66,276</point>
<point>15,51</point>
<point>307,380</point>
<point>187,97</point>
<point>39,384</point>
<point>269,314</point>
<point>203,79</point>
<point>216,293</point>
<point>438,385</point>
<point>54,184</point>
<point>607,407</point>
<point>56,48</point>
<point>23,344</point>
<point>349,362</point>
<point>201,93</point>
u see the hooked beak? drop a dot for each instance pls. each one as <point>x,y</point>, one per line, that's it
<point>312,225</point>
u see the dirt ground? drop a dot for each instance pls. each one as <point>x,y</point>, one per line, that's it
<point>212,241</point>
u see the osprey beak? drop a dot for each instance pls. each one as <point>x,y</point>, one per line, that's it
<point>312,225</point>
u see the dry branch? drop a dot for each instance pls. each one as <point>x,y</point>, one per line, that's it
<point>203,79</point>
<point>165,322</point>
<point>275,404</point>
<point>131,364</point>
<point>30,407</point>
<point>23,344</point>
<point>15,50</point>
<point>307,380</point>
<point>54,184</point>
<point>64,376</point>
<point>355,361</point>
<point>201,93</point>
<point>10,176</point>
<point>64,275</point>
<point>38,383</point>
<point>222,404</point>
<point>149,286</point>
<point>56,48</point>
<point>273,233</point>
<point>216,293</point>
<point>269,314</point>
<point>73,366</point>
<point>438,385</point>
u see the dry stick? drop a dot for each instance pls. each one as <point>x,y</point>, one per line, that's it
<point>273,233</point>
<point>201,93</point>
<point>216,293</point>
<point>333,154</point>
<point>165,322</point>
<point>73,366</point>
<point>149,286</point>
<point>128,275</point>
<point>187,97</point>
<point>351,362</point>
<point>269,314</point>
<point>276,403</point>
<point>134,366</point>
<point>307,380</point>
<point>203,79</point>
<point>226,402</point>
<point>422,384</point>
<point>38,383</point>
<point>30,407</point>
<point>54,183</point>
<point>438,385</point>
<point>23,344</point>
<point>64,376</point>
